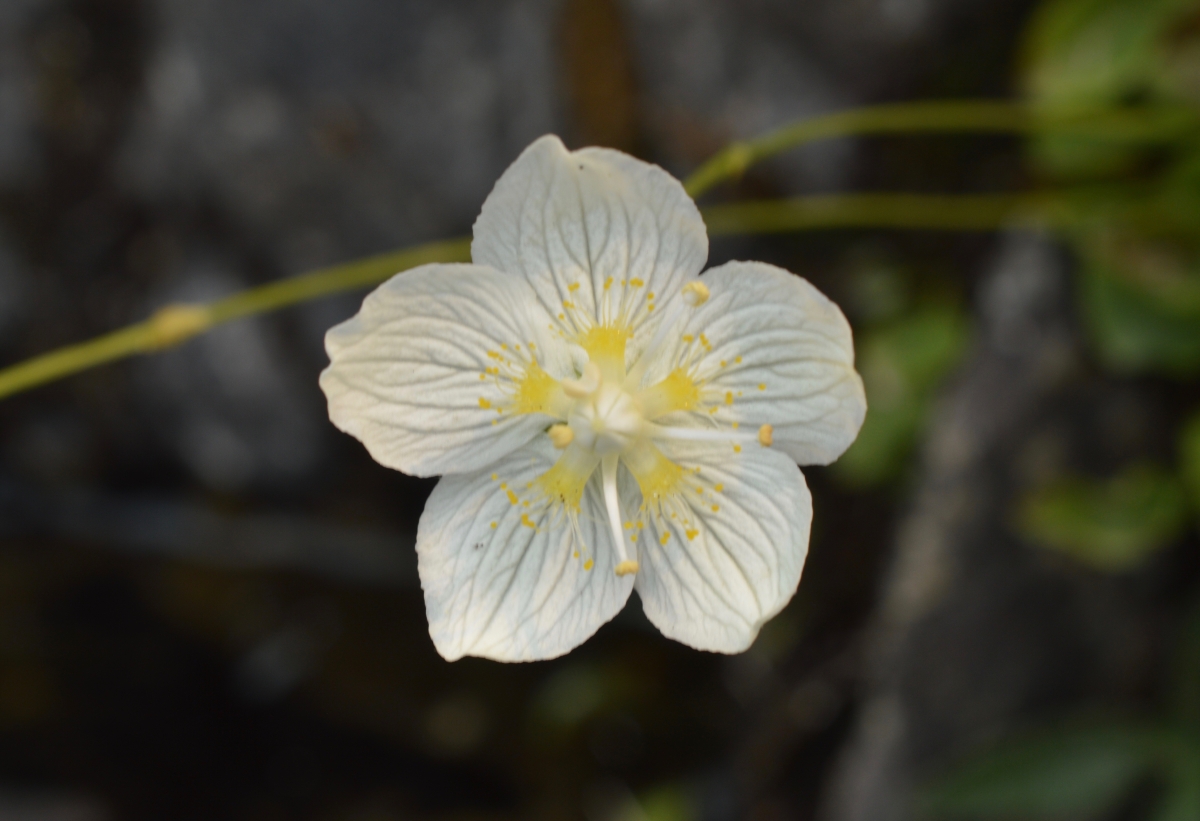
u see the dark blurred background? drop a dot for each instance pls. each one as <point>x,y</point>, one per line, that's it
<point>208,597</point>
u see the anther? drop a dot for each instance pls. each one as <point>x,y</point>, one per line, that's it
<point>561,435</point>
<point>626,567</point>
<point>695,293</point>
<point>586,385</point>
<point>766,436</point>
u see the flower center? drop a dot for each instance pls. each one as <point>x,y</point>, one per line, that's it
<point>606,420</point>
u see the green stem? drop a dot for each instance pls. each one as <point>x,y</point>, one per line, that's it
<point>949,116</point>
<point>982,212</point>
<point>176,323</point>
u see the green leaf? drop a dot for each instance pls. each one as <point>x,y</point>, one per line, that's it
<point>1135,327</point>
<point>902,364</point>
<point>1068,772</point>
<point>1112,524</point>
<point>1088,54</point>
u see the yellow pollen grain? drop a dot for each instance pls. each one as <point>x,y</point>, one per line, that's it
<point>629,525</point>
<point>493,525</point>
<point>736,425</point>
<point>737,448</point>
<point>716,508</point>
<point>608,283</point>
<point>650,295</point>
<point>567,305</point>
<point>718,488</point>
<point>633,538</point>
<point>737,359</point>
<point>495,477</point>
<point>573,287</point>
<point>666,537</point>
<point>483,376</point>
<point>483,403</point>
<point>649,307</point>
<point>503,485</point>
<point>724,363</point>
<point>575,555</point>
<point>704,341</point>
<point>766,436</point>
<point>641,525</point>
<point>728,397</point>
<point>688,337</point>
<point>503,347</point>
<point>512,497</point>
<point>494,355</point>
<point>525,520</point>
<point>762,386</point>
<point>589,564</point>
<point>691,534</point>
<point>636,283</point>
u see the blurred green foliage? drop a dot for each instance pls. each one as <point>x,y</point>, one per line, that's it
<point>1112,524</point>
<point>1140,254</point>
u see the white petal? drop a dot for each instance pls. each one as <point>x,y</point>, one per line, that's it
<point>586,227</point>
<point>408,373</point>
<point>730,559</point>
<point>496,587</point>
<point>768,348</point>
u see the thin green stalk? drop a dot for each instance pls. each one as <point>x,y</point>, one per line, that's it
<point>174,324</point>
<point>949,116</point>
<point>981,212</point>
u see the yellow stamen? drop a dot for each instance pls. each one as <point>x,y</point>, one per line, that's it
<point>695,293</point>
<point>766,436</point>
<point>561,435</point>
<point>626,567</point>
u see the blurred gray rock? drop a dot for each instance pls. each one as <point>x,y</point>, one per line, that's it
<point>18,156</point>
<point>14,288</point>
<point>979,633</point>
<point>729,72</point>
<point>338,129</point>
<point>233,404</point>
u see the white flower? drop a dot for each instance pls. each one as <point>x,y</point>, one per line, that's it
<point>605,420</point>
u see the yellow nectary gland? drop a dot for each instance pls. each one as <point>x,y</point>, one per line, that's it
<point>658,477</point>
<point>537,392</point>
<point>605,345</point>
<point>678,392</point>
<point>565,480</point>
